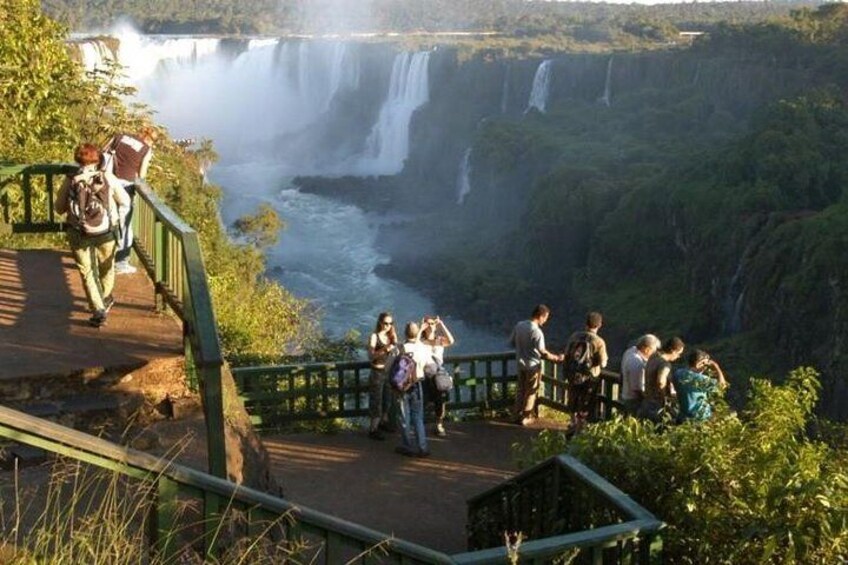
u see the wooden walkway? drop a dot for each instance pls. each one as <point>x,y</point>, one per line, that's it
<point>44,314</point>
<point>420,500</point>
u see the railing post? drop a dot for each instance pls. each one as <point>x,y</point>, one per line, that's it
<point>163,519</point>
<point>158,263</point>
<point>213,404</point>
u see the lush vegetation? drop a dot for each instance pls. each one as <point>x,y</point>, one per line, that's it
<point>750,487</point>
<point>47,106</point>
<point>582,22</point>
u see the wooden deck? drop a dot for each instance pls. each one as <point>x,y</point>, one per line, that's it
<point>43,320</point>
<point>420,500</point>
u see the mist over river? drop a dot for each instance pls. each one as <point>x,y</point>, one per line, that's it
<point>276,109</point>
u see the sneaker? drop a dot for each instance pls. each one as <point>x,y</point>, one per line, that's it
<point>404,451</point>
<point>386,427</point>
<point>422,453</point>
<point>440,430</point>
<point>124,268</point>
<point>98,319</point>
<point>376,435</point>
<point>528,421</point>
<point>108,302</point>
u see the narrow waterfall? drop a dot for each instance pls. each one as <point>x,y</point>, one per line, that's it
<point>505,89</point>
<point>605,98</point>
<point>541,87</point>
<point>95,54</point>
<point>387,146</point>
<point>463,179</point>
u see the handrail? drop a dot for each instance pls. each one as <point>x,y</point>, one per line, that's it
<point>34,431</point>
<point>170,251</point>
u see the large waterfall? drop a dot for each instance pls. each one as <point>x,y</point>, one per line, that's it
<point>277,108</point>
<point>388,144</point>
<point>541,87</point>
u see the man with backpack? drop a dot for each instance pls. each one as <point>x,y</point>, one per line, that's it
<point>128,158</point>
<point>405,376</point>
<point>91,198</point>
<point>585,356</point>
<point>529,343</point>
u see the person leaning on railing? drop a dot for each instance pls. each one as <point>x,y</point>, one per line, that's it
<point>94,254</point>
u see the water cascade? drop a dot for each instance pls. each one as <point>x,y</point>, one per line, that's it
<point>505,89</point>
<point>605,98</point>
<point>463,180</point>
<point>95,54</point>
<point>387,146</point>
<point>541,87</point>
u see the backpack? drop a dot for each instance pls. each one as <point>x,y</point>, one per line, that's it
<point>579,359</point>
<point>88,203</point>
<point>402,372</point>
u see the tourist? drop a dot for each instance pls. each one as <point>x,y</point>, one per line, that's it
<point>436,335</point>
<point>382,344</point>
<point>658,388</point>
<point>529,343</point>
<point>128,158</point>
<point>633,372</point>
<point>91,198</point>
<point>411,401</point>
<point>586,355</point>
<point>694,386</point>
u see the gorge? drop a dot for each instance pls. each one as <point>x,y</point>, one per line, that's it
<point>686,191</point>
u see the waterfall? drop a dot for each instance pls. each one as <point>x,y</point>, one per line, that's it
<point>387,146</point>
<point>605,97</point>
<point>505,89</point>
<point>463,179</point>
<point>541,87</point>
<point>95,54</point>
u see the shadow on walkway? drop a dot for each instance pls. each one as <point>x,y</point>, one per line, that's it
<point>44,314</point>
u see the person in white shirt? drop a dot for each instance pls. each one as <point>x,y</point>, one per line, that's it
<point>411,401</point>
<point>633,371</point>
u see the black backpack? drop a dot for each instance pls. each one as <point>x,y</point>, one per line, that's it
<point>579,359</point>
<point>88,203</point>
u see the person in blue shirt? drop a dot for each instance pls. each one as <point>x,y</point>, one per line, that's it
<point>693,386</point>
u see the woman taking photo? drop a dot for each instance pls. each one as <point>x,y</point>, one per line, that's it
<point>436,335</point>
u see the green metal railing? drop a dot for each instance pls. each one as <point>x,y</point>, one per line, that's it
<point>562,505</point>
<point>170,252</point>
<point>280,395</point>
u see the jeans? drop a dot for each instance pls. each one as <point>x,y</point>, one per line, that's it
<point>126,241</point>
<point>411,416</point>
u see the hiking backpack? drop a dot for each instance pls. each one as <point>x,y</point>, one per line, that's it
<point>88,203</point>
<point>579,359</point>
<point>402,372</point>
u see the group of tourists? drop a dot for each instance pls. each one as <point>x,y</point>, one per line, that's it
<point>98,200</point>
<point>651,388</point>
<point>394,392</point>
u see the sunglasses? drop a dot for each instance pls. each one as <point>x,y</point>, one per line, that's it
<point>387,322</point>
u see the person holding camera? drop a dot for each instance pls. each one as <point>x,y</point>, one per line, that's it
<point>382,344</point>
<point>436,335</point>
<point>694,386</point>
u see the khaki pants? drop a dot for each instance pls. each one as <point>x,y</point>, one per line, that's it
<point>528,387</point>
<point>96,263</point>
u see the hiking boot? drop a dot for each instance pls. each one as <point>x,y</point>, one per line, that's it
<point>440,430</point>
<point>376,435</point>
<point>108,302</point>
<point>98,319</point>
<point>124,268</point>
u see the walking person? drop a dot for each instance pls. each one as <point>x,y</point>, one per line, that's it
<point>128,157</point>
<point>436,335</point>
<point>411,401</point>
<point>529,343</point>
<point>91,198</point>
<point>586,355</point>
<point>382,345</point>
